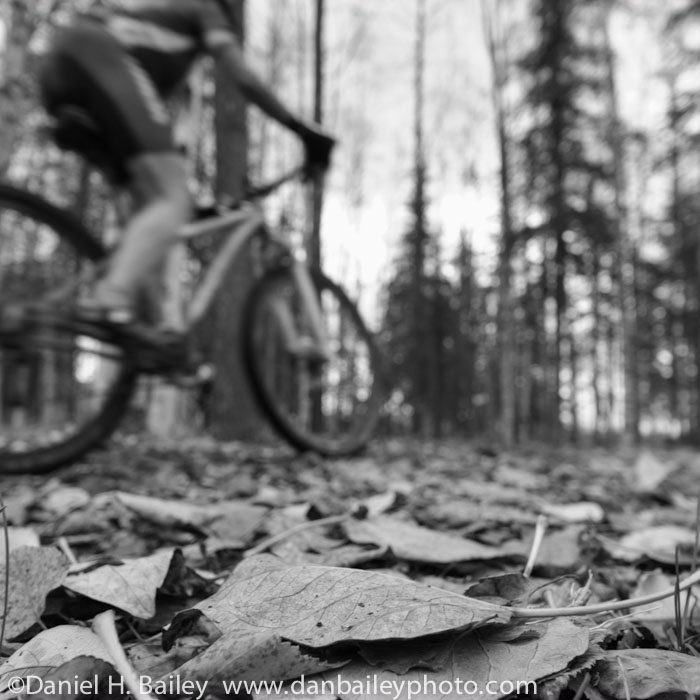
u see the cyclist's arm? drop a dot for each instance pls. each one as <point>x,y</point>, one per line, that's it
<point>230,57</point>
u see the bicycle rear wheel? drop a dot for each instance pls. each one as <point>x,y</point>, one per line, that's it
<point>328,406</point>
<point>62,390</point>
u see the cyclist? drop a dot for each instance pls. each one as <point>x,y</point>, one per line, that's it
<point>119,61</point>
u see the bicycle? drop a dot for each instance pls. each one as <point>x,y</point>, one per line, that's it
<point>66,384</point>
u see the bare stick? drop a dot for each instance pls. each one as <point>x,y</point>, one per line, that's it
<point>541,613</point>
<point>540,529</point>
<point>6,601</point>
<point>274,539</point>
<point>103,626</point>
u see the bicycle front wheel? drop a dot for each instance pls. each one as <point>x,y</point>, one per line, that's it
<point>62,391</point>
<point>328,405</point>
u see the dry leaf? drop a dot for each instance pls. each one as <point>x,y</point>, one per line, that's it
<point>33,572</point>
<point>653,542</point>
<point>415,543</point>
<point>131,586</point>
<point>242,517</point>
<point>50,649</point>
<point>648,672</point>
<point>19,537</point>
<point>261,655</point>
<point>317,606</point>
<point>582,512</point>
<point>470,663</point>
<point>649,472</point>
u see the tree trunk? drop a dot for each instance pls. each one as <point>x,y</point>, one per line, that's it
<point>314,244</point>
<point>15,83</point>
<point>506,317</point>
<point>234,414</point>
<point>625,270</point>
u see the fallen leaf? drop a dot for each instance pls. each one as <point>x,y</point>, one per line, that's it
<point>317,606</point>
<point>241,516</point>
<point>522,479</point>
<point>33,572</point>
<point>382,502</point>
<point>653,542</point>
<point>559,551</point>
<point>19,537</point>
<point>130,586</point>
<point>257,656</point>
<point>649,471</point>
<point>582,512</point>
<point>470,663</point>
<point>416,543</point>
<point>64,499</point>
<point>346,555</point>
<point>652,582</point>
<point>647,673</point>
<point>80,678</point>
<point>50,649</point>
<point>458,513</point>
<point>510,589</point>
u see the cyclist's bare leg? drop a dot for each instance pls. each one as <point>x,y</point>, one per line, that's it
<point>159,188</point>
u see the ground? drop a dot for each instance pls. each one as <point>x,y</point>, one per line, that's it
<point>152,530</point>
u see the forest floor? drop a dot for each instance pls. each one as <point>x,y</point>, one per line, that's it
<point>355,571</point>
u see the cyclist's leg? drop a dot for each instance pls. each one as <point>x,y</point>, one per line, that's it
<point>88,67</point>
<point>158,182</point>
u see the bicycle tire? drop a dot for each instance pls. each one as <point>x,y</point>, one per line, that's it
<point>27,216</point>
<point>262,348</point>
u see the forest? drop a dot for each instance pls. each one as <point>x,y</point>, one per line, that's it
<point>498,500</point>
<point>512,201</point>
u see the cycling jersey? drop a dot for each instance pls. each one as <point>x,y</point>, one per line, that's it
<point>122,57</point>
<point>165,36</point>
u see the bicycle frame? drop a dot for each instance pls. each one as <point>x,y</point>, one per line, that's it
<point>240,225</point>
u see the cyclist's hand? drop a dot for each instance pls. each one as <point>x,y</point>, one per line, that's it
<point>319,146</point>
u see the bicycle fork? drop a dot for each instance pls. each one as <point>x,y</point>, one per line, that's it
<point>313,345</point>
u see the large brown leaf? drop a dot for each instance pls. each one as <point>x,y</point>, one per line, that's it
<point>317,605</point>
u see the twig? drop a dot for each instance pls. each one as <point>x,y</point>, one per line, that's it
<point>680,627</point>
<point>694,564</point>
<point>582,688</point>
<point>103,626</point>
<point>62,544</point>
<point>274,539</point>
<point>540,529</point>
<point>6,601</point>
<point>624,678</point>
<point>606,607</point>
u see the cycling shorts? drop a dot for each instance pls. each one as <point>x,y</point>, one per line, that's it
<point>88,68</point>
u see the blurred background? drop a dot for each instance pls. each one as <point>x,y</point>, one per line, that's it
<point>513,201</point>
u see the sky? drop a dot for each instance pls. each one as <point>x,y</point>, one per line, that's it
<point>377,74</point>
<point>460,132</point>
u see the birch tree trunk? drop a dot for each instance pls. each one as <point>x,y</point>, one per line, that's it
<point>624,215</point>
